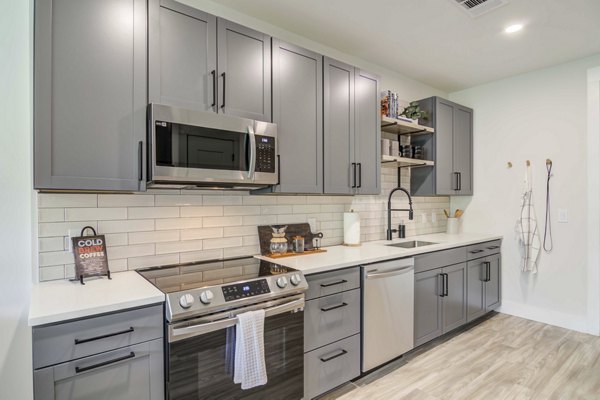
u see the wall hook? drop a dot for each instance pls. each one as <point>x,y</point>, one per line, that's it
<point>509,165</point>
<point>528,163</point>
<point>548,162</point>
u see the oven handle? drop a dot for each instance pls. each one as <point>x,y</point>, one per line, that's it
<point>252,167</point>
<point>176,334</point>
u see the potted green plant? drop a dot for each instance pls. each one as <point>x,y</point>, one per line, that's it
<point>414,112</point>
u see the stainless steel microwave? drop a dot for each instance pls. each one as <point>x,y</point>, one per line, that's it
<point>196,148</point>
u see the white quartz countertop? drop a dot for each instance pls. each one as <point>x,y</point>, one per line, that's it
<point>63,300</point>
<point>338,257</point>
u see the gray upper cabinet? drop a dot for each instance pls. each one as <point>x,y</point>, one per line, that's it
<point>244,69</point>
<point>338,105</point>
<point>182,56</point>
<point>298,113</point>
<point>200,62</point>
<point>367,133</point>
<point>90,94</point>
<point>453,142</point>
<point>352,130</point>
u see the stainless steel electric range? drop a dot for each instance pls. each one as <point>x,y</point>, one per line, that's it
<point>203,301</point>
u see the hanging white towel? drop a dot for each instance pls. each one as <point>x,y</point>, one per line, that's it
<point>527,231</point>
<point>250,369</point>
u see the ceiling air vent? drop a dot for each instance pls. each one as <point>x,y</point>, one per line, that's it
<point>476,8</point>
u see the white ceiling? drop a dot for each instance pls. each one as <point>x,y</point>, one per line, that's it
<point>436,42</point>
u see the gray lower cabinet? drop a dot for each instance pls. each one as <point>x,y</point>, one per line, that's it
<point>331,330</point>
<point>298,113</point>
<point>483,285</point>
<point>440,301</point>
<point>452,145</point>
<point>200,62</point>
<point>351,130</point>
<point>90,94</point>
<point>113,356</point>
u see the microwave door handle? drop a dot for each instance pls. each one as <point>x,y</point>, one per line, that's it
<point>252,167</point>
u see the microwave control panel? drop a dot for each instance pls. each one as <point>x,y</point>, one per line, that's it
<point>265,154</point>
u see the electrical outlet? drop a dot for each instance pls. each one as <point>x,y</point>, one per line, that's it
<point>433,217</point>
<point>563,215</point>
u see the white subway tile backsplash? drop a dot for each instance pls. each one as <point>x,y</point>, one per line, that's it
<point>169,227</point>
<point>153,237</point>
<point>51,214</point>
<point>125,200</point>
<point>201,233</point>
<point>131,225</point>
<point>178,247</point>
<point>204,211</point>
<point>178,223</point>
<point>85,214</point>
<point>152,212</point>
<point>130,251</point>
<point>222,243</point>
<point>60,200</point>
<point>178,201</point>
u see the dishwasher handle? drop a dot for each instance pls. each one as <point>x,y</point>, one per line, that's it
<point>392,272</point>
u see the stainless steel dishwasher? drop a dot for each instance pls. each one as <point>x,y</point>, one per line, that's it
<point>388,311</point>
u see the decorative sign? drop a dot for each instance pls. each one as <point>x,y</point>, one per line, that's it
<point>90,255</point>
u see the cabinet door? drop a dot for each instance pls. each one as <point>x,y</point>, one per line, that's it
<point>454,310</point>
<point>463,149</point>
<point>445,179</point>
<point>90,94</point>
<point>134,372</point>
<point>367,133</point>
<point>492,287</point>
<point>428,306</point>
<point>244,62</point>
<point>475,289</point>
<point>298,113</point>
<point>338,117</point>
<point>182,56</point>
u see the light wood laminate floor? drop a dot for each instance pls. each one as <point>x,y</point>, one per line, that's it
<point>501,357</point>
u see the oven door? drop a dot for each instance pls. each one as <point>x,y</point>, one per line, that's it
<point>200,356</point>
<point>206,149</point>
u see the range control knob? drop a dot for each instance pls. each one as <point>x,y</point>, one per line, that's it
<point>186,300</point>
<point>296,279</point>
<point>206,297</point>
<point>282,282</point>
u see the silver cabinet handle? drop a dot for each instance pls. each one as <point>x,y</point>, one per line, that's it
<point>393,272</point>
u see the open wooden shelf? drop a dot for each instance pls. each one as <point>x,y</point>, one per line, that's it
<point>401,127</point>
<point>403,162</point>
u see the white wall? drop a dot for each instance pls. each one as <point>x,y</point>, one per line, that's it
<point>15,200</point>
<point>536,116</point>
<point>407,88</point>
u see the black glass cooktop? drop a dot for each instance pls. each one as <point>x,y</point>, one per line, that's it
<point>175,278</point>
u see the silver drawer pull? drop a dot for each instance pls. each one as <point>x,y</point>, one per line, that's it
<point>80,341</point>
<point>334,307</point>
<point>333,283</point>
<point>475,251</point>
<point>341,353</point>
<point>79,370</point>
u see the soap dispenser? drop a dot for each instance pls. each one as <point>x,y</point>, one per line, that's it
<point>402,230</point>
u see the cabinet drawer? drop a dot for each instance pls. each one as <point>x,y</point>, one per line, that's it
<point>54,344</point>
<point>331,366</point>
<point>438,259</point>
<point>332,282</point>
<point>483,249</point>
<point>331,318</point>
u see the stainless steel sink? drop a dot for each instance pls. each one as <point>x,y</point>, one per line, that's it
<point>411,244</point>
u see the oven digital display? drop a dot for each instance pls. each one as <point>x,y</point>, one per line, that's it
<point>247,289</point>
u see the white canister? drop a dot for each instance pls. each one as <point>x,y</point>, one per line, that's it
<point>351,229</point>
<point>385,147</point>
<point>395,148</point>
<point>452,226</point>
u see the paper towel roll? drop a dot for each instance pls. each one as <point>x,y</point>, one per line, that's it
<point>351,229</point>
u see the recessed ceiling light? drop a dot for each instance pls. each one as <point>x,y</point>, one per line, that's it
<point>513,28</point>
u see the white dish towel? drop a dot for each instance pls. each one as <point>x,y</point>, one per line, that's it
<point>528,236</point>
<point>249,366</point>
